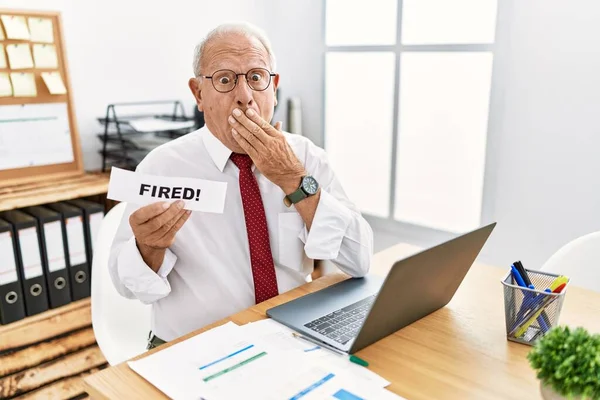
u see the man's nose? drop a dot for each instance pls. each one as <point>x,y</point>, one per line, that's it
<point>243,93</point>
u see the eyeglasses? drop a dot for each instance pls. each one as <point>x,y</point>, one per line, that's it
<point>225,80</point>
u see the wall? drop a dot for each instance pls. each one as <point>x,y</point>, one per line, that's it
<point>543,156</point>
<point>133,51</point>
<point>547,159</point>
<point>296,34</point>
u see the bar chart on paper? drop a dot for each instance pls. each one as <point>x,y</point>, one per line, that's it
<point>34,134</point>
<point>258,361</point>
<point>231,363</point>
<point>317,384</point>
<point>251,372</point>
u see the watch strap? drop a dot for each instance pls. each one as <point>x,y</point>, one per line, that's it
<point>296,196</point>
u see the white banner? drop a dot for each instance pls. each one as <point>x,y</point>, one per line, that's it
<point>142,189</point>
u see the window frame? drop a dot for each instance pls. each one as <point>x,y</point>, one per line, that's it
<point>389,225</point>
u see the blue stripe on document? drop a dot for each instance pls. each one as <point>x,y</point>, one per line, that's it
<point>312,349</point>
<point>312,387</point>
<point>346,395</point>
<point>227,356</point>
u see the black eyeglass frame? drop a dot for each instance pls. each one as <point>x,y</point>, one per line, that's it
<point>269,74</point>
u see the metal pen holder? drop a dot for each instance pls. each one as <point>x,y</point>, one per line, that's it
<point>531,313</point>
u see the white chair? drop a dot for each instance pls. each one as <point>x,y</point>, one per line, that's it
<point>579,260</point>
<point>120,325</point>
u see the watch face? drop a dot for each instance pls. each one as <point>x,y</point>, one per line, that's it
<point>310,185</point>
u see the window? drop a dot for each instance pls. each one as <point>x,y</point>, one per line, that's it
<point>407,89</point>
<point>362,138</point>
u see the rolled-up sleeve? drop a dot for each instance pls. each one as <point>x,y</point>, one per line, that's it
<point>338,232</point>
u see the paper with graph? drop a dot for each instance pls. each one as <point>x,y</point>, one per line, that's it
<point>34,134</point>
<point>261,361</point>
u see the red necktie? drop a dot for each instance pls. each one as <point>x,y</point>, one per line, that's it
<point>263,269</point>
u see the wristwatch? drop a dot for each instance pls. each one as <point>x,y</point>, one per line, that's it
<point>308,187</point>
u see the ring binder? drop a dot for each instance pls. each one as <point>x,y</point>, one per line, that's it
<point>74,241</point>
<point>29,260</point>
<point>53,254</point>
<point>12,307</point>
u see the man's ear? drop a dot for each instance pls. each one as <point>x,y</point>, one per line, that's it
<point>195,87</point>
<point>275,85</point>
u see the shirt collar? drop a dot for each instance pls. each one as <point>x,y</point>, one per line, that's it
<point>215,148</point>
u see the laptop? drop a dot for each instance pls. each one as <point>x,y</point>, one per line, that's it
<point>357,312</point>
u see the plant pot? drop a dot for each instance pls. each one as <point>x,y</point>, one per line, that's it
<point>549,394</point>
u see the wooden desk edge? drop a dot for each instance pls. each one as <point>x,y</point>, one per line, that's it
<point>381,263</point>
<point>94,384</point>
<point>254,313</point>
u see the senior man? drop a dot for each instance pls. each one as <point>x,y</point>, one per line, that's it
<point>284,206</point>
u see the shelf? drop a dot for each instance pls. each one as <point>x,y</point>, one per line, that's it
<point>51,190</point>
<point>117,157</point>
<point>141,127</point>
<point>135,140</point>
<point>124,119</point>
<point>48,355</point>
<point>46,315</point>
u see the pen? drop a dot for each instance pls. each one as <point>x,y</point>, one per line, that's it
<point>560,288</point>
<point>351,357</point>
<point>523,273</point>
<point>558,282</point>
<point>546,321</point>
<point>545,303</point>
<point>517,276</point>
<point>529,300</point>
<point>523,328</point>
<point>556,286</point>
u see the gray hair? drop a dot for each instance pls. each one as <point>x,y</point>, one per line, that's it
<point>243,28</point>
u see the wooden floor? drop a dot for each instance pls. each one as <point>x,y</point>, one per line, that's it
<point>45,356</point>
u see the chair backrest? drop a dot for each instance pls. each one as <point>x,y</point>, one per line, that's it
<point>579,260</point>
<point>120,325</point>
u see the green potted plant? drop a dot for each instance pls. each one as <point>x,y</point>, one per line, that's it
<point>567,362</point>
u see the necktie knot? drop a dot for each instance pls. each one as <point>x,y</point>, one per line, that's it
<point>242,161</point>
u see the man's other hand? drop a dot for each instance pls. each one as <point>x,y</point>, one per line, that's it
<point>155,227</point>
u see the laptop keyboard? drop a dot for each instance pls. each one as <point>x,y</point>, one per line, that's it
<point>343,324</point>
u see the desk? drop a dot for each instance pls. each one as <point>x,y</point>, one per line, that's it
<point>458,352</point>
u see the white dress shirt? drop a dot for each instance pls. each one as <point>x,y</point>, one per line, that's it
<point>206,274</point>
